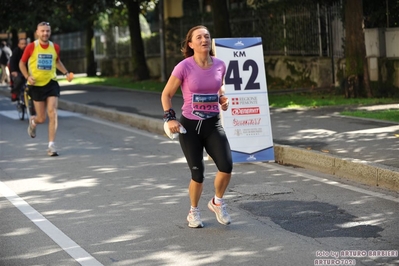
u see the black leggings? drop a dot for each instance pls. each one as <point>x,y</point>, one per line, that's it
<point>208,134</point>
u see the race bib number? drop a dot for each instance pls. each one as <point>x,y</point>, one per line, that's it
<point>205,105</point>
<point>45,62</point>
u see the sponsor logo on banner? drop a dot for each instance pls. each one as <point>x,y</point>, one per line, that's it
<point>237,132</point>
<point>239,43</point>
<point>250,100</point>
<point>248,132</point>
<point>246,122</point>
<point>252,131</point>
<point>245,111</point>
<point>251,158</point>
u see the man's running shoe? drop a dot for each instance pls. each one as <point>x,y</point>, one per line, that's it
<point>221,213</point>
<point>194,219</point>
<point>52,151</point>
<point>31,129</point>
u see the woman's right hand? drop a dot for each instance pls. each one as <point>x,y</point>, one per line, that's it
<point>174,126</point>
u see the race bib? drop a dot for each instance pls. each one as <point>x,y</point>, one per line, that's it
<point>205,105</point>
<point>45,61</point>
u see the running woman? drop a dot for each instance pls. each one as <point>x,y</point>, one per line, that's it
<point>200,76</point>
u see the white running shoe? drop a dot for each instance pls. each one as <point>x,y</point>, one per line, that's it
<point>52,151</point>
<point>194,219</point>
<point>31,129</point>
<point>221,212</point>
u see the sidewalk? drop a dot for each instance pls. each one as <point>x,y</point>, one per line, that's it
<point>361,150</point>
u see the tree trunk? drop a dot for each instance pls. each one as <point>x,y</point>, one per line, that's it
<point>357,75</point>
<point>139,63</point>
<point>14,38</point>
<point>221,21</point>
<point>91,69</point>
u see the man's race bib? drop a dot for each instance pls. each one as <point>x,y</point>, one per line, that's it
<point>45,61</point>
<point>205,105</point>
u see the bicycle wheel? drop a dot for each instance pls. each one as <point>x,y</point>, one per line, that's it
<point>28,103</point>
<point>21,110</point>
<point>31,107</point>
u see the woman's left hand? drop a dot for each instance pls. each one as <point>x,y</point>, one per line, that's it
<point>224,102</point>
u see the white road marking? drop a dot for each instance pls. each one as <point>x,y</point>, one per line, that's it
<point>10,114</point>
<point>13,114</point>
<point>67,244</point>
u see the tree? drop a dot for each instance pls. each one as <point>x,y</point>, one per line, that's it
<point>357,75</point>
<point>87,12</point>
<point>221,22</point>
<point>381,14</point>
<point>13,20</point>
<point>139,63</point>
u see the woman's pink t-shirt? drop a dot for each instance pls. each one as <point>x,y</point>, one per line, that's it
<point>200,87</point>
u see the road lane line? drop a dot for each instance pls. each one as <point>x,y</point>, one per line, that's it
<point>13,114</point>
<point>67,244</point>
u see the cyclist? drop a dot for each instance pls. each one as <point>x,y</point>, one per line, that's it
<point>42,57</point>
<point>18,80</point>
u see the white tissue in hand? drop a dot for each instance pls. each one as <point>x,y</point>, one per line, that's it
<point>182,130</point>
<point>173,135</point>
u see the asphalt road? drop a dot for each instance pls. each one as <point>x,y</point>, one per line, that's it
<point>117,195</point>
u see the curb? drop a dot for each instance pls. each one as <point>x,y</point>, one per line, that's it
<point>371,174</point>
<point>138,121</point>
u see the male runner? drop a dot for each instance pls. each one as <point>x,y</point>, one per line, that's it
<point>42,57</point>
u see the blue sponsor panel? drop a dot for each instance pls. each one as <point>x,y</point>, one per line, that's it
<point>265,155</point>
<point>238,43</point>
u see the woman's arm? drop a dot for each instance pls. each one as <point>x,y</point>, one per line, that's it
<point>169,91</point>
<point>166,99</point>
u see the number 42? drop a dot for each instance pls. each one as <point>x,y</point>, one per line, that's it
<point>233,75</point>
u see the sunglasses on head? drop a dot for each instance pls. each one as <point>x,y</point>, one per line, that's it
<point>44,24</point>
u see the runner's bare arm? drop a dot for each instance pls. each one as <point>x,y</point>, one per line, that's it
<point>60,66</point>
<point>169,91</point>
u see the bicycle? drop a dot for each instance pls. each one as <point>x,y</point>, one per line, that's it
<point>24,104</point>
<point>18,87</point>
<point>28,103</point>
<point>21,108</point>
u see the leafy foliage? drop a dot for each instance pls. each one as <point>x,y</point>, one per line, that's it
<point>381,14</point>
<point>54,11</point>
